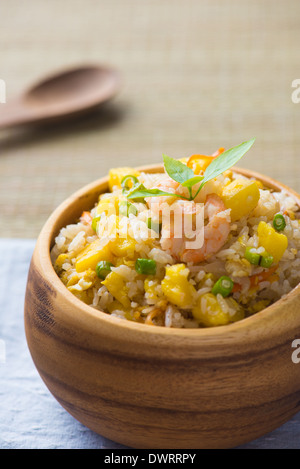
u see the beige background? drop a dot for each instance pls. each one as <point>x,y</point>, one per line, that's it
<point>197,75</point>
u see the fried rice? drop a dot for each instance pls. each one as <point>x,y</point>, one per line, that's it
<point>180,294</point>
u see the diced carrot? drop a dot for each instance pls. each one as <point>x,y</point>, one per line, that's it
<point>267,275</point>
<point>263,276</point>
<point>236,287</point>
<point>290,214</point>
<point>86,217</point>
<point>150,316</point>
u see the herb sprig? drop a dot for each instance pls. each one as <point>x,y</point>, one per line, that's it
<point>185,176</point>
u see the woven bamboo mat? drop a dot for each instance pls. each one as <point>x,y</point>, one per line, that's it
<point>197,75</point>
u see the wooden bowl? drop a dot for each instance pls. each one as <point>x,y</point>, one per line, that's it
<point>154,387</point>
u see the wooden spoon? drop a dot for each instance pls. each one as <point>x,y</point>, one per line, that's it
<point>61,96</point>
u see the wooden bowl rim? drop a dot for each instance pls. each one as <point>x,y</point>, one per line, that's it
<point>258,320</point>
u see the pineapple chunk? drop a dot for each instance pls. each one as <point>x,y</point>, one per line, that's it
<point>259,306</point>
<point>123,247</point>
<point>83,296</point>
<point>116,175</point>
<point>109,205</point>
<point>93,253</point>
<point>152,290</point>
<point>116,285</point>
<point>176,287</point>
<point>61,259</point>
<point>241,196</point>
<point>115,305</point>
<point>209,312</point>
<point>259,184</point>
<point>273,242</point>
<point>124,261</point>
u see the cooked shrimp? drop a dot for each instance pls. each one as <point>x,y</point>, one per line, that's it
<point>167,185</point>
<point>215,232</point>
<point>179,225</point>
<point>173,238</point>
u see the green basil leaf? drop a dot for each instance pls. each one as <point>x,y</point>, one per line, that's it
<point>226,160</point>
<point>177,170</point>
<point>191,182</point>
<point>136,194</point>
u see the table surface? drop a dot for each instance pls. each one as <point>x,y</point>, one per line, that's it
<point>30,417</point>
<point>196,75</point>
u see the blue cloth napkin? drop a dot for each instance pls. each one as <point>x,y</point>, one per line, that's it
<point>30,417</point>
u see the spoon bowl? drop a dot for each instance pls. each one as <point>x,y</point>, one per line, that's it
<point>62,95</point>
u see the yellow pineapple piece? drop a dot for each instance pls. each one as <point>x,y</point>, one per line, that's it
<point>61,259</point>
<point>176,286</point>
<point>273,242</point>
<point>209,312</point>
<point>241,196</point>
<point>116,285</point>
<point>92,254</point>
<point>123,247</point>
<point>116,175</point>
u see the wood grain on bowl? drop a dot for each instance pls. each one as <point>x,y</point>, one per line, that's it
<point>154,387</point>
